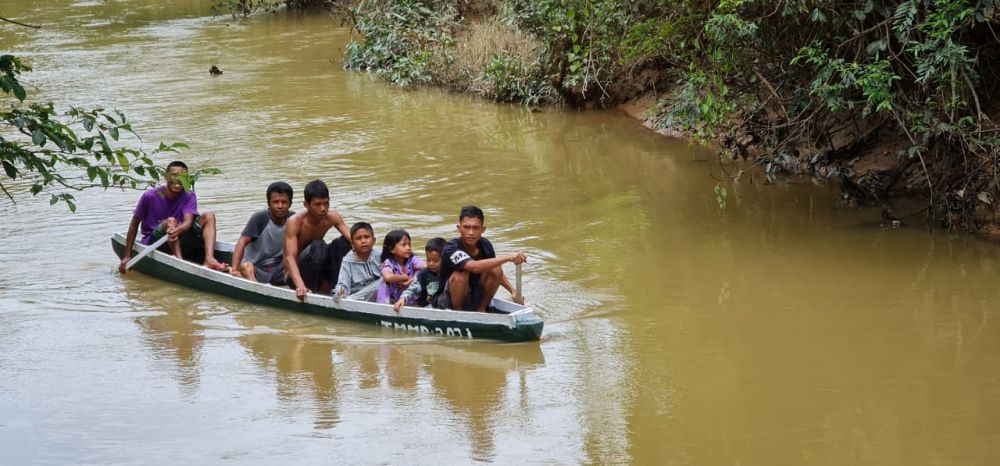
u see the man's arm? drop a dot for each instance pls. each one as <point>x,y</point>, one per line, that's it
<point>186,225</point>
<point>254,227</point>
<point>338,223</point>
<point>484,265</point>
<point>238,250</point>
<point>292,256</point>
<point>133,230</point>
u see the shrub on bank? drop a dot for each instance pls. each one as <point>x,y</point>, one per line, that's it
<point>248,7</point>
<point>399,37</point>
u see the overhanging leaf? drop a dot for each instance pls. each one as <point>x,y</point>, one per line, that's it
<point>123,161</point>
<point>38,137</point>
<point>10,169</point>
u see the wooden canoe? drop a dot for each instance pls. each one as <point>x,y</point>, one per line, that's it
<point>512,322</point>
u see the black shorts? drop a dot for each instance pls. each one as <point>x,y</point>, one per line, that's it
<point>476,292</point>
<point>318,261</point>
<point>192,242</point>
<point>273,274</point>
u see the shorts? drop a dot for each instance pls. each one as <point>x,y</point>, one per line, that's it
<point>192,242</point>
<point>273,273</point>
<point>476,293</point>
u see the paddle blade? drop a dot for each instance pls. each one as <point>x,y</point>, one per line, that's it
<point>145,252</point>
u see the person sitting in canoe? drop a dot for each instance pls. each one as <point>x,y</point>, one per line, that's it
<point>360,271</point>
<point>172,211</point>
<point>260,252</point>
<point>399,267</point>
<point>426,283</point>
<point>312,265</point>
<point>471,272</point>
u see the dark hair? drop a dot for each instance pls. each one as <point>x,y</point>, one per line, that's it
<point>471,211</point>
<point>316,188</point>
<point>279,187</point>
<point>393,238</point>
<point>361,225</point>
<point>177,163</point>
<point>435,244</point>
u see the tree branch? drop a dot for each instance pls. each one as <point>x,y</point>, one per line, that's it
<point>19,23</point>
<point>4,188</point>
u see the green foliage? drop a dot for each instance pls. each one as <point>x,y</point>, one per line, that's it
<point>837,80</point>
<point>188,179</point>
<point>74,150</point>
<point>653,41</point>
<point>249,7</point>
<point>514,81</point>
<point>582,40</point>
<point>699,102</point>
<point>720,196</point>
<point>245,7</point>
<point>917,64</point>
<point>399,37</point>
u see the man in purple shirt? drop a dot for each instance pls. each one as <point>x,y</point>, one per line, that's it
<point>172,211</point>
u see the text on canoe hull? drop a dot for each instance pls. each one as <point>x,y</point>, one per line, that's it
<point>449,331</point>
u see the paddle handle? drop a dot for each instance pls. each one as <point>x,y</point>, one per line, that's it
<point>145,252</point>
<point>518,296</point>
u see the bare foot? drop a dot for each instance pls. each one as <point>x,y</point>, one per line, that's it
<point>216,265</point>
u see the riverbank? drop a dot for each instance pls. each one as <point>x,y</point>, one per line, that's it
<point>896,99</point>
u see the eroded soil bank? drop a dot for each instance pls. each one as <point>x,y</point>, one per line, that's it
<point>865,162</point>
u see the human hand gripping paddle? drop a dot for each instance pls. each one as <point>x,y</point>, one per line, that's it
<point>145,252</point>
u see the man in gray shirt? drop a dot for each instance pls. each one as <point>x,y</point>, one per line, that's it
<point>259,253</point>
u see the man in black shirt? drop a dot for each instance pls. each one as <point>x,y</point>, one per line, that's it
<point>471,272</point>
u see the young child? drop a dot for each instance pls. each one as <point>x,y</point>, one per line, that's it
<point>360,268</point>
<point>426,283</point>
<point>399,266</point>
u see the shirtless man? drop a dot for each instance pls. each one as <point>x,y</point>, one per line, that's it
<point>170,210</point>
<point>310,263</point>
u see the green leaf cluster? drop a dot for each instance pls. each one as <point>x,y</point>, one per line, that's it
<point>245,7</point>
<point>512,80</point>
<point>399,37</point>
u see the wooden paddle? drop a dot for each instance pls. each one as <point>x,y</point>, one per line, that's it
<point>145,252</point>
<point>518,296</point>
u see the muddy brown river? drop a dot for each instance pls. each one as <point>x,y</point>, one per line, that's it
<point>783,329</point>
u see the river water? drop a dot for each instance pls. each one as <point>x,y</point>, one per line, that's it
<point>781,329</point>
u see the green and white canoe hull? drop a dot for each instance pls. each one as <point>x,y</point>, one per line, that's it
<point>513,323</point>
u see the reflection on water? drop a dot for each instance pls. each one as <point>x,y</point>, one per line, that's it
<point>304,370</point>
<point>175,336</point>
<point>781,330</point>
<point>467,380</point>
